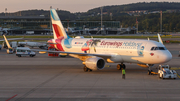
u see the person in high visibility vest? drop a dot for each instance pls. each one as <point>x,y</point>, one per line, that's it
<point>123,74</point>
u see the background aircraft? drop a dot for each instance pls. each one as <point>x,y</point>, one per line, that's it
<point>33,44</point>
<point>2,46</point>
<point>14,44</point>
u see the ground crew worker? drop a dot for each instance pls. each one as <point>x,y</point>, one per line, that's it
<point>123,73</point>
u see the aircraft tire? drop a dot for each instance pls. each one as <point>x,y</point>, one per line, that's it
<point>90,70</point>
<point>19,55</point>
<point>119,67</point>
<point>85,69</point>
<point>149,72</point>
<point>123,66</point>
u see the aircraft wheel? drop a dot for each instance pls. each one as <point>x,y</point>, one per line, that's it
<point>19,55</point>
<point>123,66</point>
<point>85,69</point>
<point>149,72</point>
<point>90,70</point>
<point>119,67</point>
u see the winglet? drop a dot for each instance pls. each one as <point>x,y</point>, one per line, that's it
<point>159,38</point>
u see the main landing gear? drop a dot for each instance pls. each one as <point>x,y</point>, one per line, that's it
<point>121,66</point>
<point>86,69</point>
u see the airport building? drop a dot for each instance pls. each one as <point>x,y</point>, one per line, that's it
<point>41,25</point>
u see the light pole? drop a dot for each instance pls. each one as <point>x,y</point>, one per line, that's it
<point>50,20</point>
<point>5,11</point>
<point>101,19</point>
<point>137,25</point>
<point>161,21</point>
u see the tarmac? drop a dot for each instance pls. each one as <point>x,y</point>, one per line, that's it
<point>43,78</point>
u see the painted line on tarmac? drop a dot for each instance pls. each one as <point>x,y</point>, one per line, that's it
<point>11,97</point>
<point>175,68</point>
<point>178,75</point>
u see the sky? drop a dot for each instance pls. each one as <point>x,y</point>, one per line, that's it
<point>68,5</point>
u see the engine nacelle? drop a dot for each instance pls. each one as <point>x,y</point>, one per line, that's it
<point>95,63</point>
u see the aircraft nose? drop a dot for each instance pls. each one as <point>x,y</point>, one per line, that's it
<point>167,56</point>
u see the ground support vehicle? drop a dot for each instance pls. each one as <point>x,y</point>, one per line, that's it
<point>24,51</point>
<point>165,72</point>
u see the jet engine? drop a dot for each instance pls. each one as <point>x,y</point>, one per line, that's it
<point>96,63</point>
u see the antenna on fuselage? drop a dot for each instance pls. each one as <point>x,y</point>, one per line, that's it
<point>159,38</point>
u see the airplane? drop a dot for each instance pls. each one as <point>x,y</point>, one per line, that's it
<point>13,45</point>
<point>3,30</point>
<point>10,48</point>
<point>33,44</point>
<point>95,52</point>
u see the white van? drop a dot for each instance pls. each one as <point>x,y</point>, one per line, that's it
<point>24,51</point>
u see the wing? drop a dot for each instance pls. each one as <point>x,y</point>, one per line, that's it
<point>103,55</point>
<point>12,39</point>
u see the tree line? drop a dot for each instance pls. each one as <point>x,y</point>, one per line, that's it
<point>146,22</point>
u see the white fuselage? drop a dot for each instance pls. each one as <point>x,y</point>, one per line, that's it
<point>32,44</point>
<point>122,50</point>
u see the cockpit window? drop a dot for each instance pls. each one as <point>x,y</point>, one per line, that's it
<point>158,48</point>
<point>152,48</point>
<point>162,48</point>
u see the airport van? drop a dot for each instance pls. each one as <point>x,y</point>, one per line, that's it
<point>24,51</point>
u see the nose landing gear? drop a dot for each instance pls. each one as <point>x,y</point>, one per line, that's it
<point>150,69</point>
